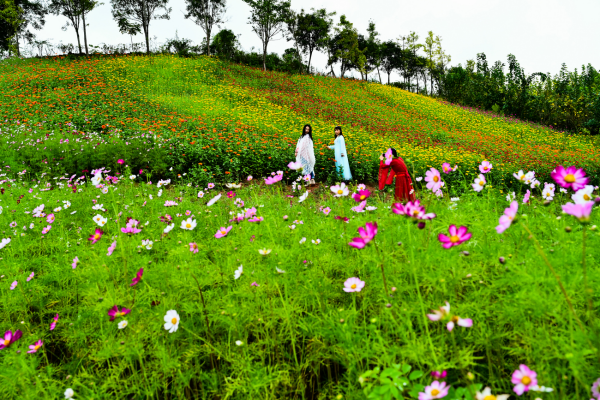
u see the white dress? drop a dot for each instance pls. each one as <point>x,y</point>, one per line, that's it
<point>339,147</point>
<point>306,154</point>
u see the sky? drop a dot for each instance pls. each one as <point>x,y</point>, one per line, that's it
<point>542,34</point>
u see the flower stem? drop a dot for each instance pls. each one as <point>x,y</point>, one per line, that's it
<point>585,278</point>
<point>382,271</point>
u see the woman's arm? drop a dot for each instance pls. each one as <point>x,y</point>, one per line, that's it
<point>342,146</point>
<point>383,172</point>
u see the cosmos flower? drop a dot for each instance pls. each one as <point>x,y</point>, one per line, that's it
<point>137,277</point>
<point>523,379</point>
<point>188,224</point>
<point>366,235</point>
<point>479,183</point>
<point>30,277</point>
<point>171,321</point>
<point>583,196</point>
<point>526,197</point>
<point>303,197</point>
<point>443,313</point>
<point>433,179</point>
<point>571,177</point>
<point>193,247</point>
<point>238,272</point>
<point>353,285</point>
<point>123,324</point>
<point>457,236</point>
<point>295,165</point>
<point>510,214</point>
<point>485,167</point>
<point>389,156</point>
<point>580,211</point>
<point>360,207</point>
<point>264,252</point>
<point>75,261</point>
<point>222,232</point>
<point>10,338</point>
<point>213,200</point>
<point>361,195</point>
<point>100,220</point>
<point>33,348</point>
<point>487,395</point>
<point>340,190</point>
<point>97,235</point>
<point>436,390</point>
<point>53,323</point>
<point>115,312</point>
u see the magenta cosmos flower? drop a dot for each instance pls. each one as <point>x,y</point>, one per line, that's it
<point>485,167</point>
<point>353,285</point>
<point>570,177</point>
<point>361,195</point>
<point>120,161</point>
<point>53,323</point>
<point>509,216</point>
<point>444,313</point>
<point>457,236</point>
<point>231,194</point>
<point>436,390</point>
<point>97,235</point>
<point>193,248</point>
<point>523,378</point>
<point>437,375</point>
<point>115,312</point>
<point>10,338</point>
<point>33,348</point>
<point>433,179</point>
<point>580,211</point>
<point>413,210</point>
<point>138,277</point>
<point>222,232</point>
<point>366,235</point>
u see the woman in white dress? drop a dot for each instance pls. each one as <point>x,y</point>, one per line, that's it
<point>305,153</point>
<point>341,156</point>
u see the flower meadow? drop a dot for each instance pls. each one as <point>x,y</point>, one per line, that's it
<point>219,121</point>
<point>260,289</point>
<point>157,241</point>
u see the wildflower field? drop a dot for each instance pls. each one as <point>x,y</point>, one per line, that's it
<point>143,255</point>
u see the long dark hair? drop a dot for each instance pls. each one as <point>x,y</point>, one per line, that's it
<point>335,129</point>
<point>309,131</point>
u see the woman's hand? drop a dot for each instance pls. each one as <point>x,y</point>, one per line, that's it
<point>342,154</point>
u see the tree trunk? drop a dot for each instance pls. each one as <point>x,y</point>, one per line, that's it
<point>208,42</point>
<point>84,34</point>
<point>78,40</point>
<point>389,73</point>
<point>265,56</point>
<point>147,41</point>
<point>17,40</point>
<point>309,60</point>
<point>379,73</point>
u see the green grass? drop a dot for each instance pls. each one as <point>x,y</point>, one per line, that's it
<point>302,335</point>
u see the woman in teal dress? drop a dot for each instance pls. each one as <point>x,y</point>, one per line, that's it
<point>341,156</point>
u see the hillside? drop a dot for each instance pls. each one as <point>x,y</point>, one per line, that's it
<point>222,121</point>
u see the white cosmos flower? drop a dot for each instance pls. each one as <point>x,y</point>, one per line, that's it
<point>233,186</point>
<point>69,393</point>
<point>98,207</point>
<point>318,241</point>
<point>238,272</point>
<point>510,197</point>
<point>100,220</point>
<point>150,196</point>
<point>105,189</point>
<point>147,244</point>
<point>97,179</point>
<point>239,343</point>
<point>66,204</point>
<point>370,208</point>
<point>584,196</point>
<point>200,194</point>
<point>213,200</point>
<point>4,242</point>
<point>264,252</point>
<point>171,321</point>
<point>122,324</point>
<point>303,197</point>
<point>188,224</point>
<point>279,270</point>
<point>132,177</point>
<point>302,240</point>
<point>159,193</point>
<point>168,228</point>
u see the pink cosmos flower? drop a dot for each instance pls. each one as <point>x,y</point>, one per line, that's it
<point>222,232</point>
<point>596,389</point>
<point>120,161</point>
<point>294,165</point>
<point>249,178</point>
<point>570,177</point>
<point>231,195</point>
<point>30,277</point>
<point>361,195</point>
<point>97,235</point>
<point>137,278</point>
<point>188,213</point>
<point>413,210</point>
<point>447,168</point>
<point>169,203</point>
<point>53,323</point>
<point>353,285</point>
<point>115,312</point>
<point>523,378</point>
<point>433,179</point>
<point>438,375</point>
<point>50,218</point>
<point>13,285</point>
<point>211,185</point>
<point>111,248</point>
<point>389,156</point>
<point>166,219</point>
<point>256,219</point>
<point>273,179</point>
<point>326,210</point>
<point>75,261</point>
<point>509,216</point>
<point>193,248</point>
<point>366,235</point>
<point>130,228</point>
<point>33,348</point>
<point>254,284</point>
<point>485,167</point>
<point>251,212</point>
<point>46,229</point>
<point>444,313</point>
<point>457,236</point>
<point>10,338</point>
<point>526,197</point>
<point>361,186</point>
<point>580,211</point>
<point>360,207</point>
<point>344,219</point>
<point>436,390</point>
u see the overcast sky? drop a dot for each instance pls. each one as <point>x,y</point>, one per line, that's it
<point>542,34</point>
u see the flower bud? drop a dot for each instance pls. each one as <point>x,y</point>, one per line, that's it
<point>568,229</point>
<point>421,225</point>
<point>502,260</point>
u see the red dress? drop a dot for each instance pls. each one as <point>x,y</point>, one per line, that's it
<point>404,185</point>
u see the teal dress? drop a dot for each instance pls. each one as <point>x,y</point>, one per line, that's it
<point>339,148</point>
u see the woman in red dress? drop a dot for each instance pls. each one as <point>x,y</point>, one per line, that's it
<point>393,165</point>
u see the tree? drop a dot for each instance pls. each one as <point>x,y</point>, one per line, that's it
<point>225,43</point>
<point>206,14</point>
<point>86,7</point>
<point>139,13</point>
<point>343,47</point>
<point>127,28</point>
<point>313,31</point>
<point>391,57</point>
<point>370,47</point>
<point>15,18</point>
<point>74,10</point>
<point>267,18</point>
